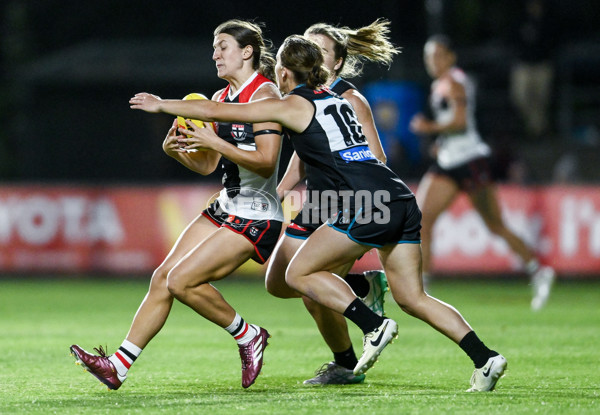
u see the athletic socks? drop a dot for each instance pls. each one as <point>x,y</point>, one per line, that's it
<point>241,331</point>
<point>358,283</point>
<point>124,357</point>
<point>476,350</point>
<point>346,358</point>
<point>532,266</point>
<point>362,316</point>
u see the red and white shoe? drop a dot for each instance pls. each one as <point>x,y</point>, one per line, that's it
<point>99,366</point>
<point>251,354</point>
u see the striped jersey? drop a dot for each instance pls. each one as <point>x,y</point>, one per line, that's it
<point>245,193</point>
<point>459,147</point>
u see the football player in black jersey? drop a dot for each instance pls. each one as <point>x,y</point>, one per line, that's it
<point>344,51</point>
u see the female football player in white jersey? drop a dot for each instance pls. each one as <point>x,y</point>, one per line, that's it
<point>375,209</point>
<point>462,163</point>
<point>344,51</point>
<point>243,223</point>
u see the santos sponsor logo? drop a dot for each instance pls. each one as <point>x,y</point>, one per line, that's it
<point>360,153</point>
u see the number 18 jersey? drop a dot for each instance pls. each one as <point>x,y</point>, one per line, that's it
<point>334,144</point>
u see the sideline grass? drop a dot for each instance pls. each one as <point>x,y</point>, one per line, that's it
<point>193,366</point>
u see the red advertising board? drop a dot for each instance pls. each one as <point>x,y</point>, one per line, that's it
<point>124,229</point>
<point>572,228</point>
<point>560,223</point>
<point>82,229</point>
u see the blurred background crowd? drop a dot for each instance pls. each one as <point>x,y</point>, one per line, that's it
<point>67,70</point>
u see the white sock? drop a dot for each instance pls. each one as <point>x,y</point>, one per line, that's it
<point>532,266</point>
<point>241,331</point>
<point>124,357</point>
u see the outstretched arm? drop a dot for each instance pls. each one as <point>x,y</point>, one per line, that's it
<point>290,111</point>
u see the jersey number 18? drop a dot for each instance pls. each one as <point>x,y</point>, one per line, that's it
<point>348,124</point>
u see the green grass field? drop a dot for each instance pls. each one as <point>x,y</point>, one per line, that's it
<point>193,366</point>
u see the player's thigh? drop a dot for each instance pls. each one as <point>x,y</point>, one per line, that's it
<point>325,250</point>
<point>196,231</point>
<point>434,195</point>
<point>214,258</point>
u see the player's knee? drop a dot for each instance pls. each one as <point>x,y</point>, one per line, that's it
<point>277,289</point>
<point>292,277</point>
<point>274,280</point>
<point>409,304</point>
<point>173,284</point>
<point>177,282</point>
<point>159,278</point>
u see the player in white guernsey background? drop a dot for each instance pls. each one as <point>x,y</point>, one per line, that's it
<point>243,223</point>
<point>381,211</point>
<point>344,51</point>
<point>462,163</point>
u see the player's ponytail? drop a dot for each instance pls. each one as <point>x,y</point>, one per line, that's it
<point>267,65</point>
<point>304,59</point>
<point>317,76</point>
<point>354,46</point>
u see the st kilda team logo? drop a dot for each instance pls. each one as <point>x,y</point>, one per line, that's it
<point>237,132</point>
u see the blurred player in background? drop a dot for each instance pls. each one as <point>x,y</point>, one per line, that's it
<point>462,163</point>
<point>343,49</point>
<point>243,223</point>
<point>375,208</point>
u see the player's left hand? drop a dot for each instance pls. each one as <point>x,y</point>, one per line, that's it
<point>198,138</point>
<point>146,102</point>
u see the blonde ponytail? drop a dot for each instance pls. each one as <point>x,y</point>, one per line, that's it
<point>354,46</point>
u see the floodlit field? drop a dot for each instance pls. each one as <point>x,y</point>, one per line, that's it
<point>193,366</point>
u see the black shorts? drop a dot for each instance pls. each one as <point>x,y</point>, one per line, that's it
<point>263,234</point>
<point>401,223</point>
<point>469,176</point>
<point>302,226</point>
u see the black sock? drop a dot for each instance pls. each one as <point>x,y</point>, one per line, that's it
<point>476,350</point>
<point>362,316</point>
<point>358,283</point>
<point>346,358</point>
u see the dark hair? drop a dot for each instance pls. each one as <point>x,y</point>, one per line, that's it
<point>443,40</point>
<point>355,45</point>
<point>304,58</point>
<point>250,34</point>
